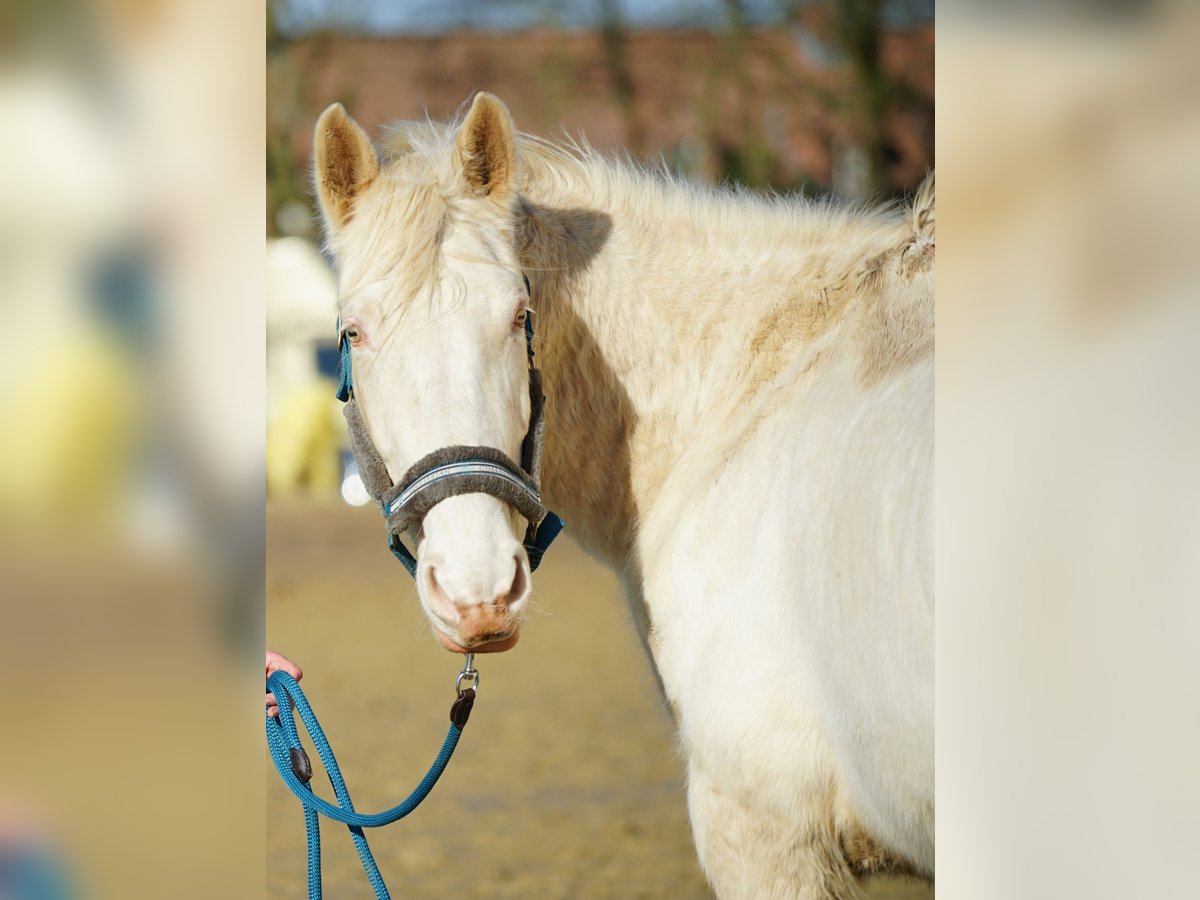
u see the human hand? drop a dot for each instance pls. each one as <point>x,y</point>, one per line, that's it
<point>277,662</point>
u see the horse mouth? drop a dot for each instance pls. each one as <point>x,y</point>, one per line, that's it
<point>496,642</point>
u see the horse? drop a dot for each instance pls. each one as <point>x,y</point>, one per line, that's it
<point>738,421</point>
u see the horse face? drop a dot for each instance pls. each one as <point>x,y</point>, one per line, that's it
<point>433,304</point>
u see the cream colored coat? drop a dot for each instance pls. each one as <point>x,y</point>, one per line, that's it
<point>739,422</point>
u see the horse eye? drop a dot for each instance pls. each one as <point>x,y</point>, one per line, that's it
<point>522,314</point>
<point>352,334</point>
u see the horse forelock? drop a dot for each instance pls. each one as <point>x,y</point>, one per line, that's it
<point>401,221</point>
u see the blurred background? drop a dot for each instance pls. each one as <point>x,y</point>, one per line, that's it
<point>134,213</point>
<point>132,404</point>
<point>1068,450</point>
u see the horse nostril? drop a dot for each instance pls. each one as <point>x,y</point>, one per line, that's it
<point>438,599</point>
<point>516,591</point>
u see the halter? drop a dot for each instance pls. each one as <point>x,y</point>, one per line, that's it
<point>455,470</point>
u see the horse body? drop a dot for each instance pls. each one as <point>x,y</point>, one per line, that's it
<point>796,654</point>
<point>739,421</point>
<point>735,428</point>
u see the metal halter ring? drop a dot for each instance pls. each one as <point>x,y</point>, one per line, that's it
<point>468,671</point>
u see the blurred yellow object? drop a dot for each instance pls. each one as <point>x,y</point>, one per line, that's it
<point>304,441</point>
<point>71,432</point>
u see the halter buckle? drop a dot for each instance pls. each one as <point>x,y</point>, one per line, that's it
<point>468,673</point>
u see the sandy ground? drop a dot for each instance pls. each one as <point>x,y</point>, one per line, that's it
<point>566,783</point>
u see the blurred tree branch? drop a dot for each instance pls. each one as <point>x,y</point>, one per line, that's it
<point>615,39</point>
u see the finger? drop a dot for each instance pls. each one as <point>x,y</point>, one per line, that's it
<point>277,662</point>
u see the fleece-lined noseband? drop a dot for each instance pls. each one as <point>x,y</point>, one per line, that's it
<point>455,470</point>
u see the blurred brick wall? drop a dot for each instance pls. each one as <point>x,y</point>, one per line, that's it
<point>689,101</point>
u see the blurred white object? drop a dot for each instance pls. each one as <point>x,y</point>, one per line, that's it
<point>301,300</point>
<point>354,491</point>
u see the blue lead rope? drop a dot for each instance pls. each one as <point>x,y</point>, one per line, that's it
<point>294,768</point>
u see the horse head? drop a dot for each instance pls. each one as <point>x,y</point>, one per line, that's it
<point>433,306</point>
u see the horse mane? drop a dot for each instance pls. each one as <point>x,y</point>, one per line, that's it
<point>838,251</point>
<point>570,166</point>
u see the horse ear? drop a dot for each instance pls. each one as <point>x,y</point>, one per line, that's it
<point>346,164</point>
<point>487,148</point>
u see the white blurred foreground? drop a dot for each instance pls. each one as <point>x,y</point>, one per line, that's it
<point>1068,445</point>
<point>131,464</point>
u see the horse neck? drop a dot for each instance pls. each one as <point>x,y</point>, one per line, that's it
<point>657,307</point>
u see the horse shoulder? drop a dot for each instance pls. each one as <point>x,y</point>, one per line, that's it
<point>778,561</point>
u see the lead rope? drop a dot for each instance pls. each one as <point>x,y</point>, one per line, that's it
<point>293,765</point>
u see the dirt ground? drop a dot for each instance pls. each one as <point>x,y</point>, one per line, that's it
<point>566,783</point>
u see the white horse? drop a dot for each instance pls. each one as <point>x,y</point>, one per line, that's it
<point>738,421</point>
